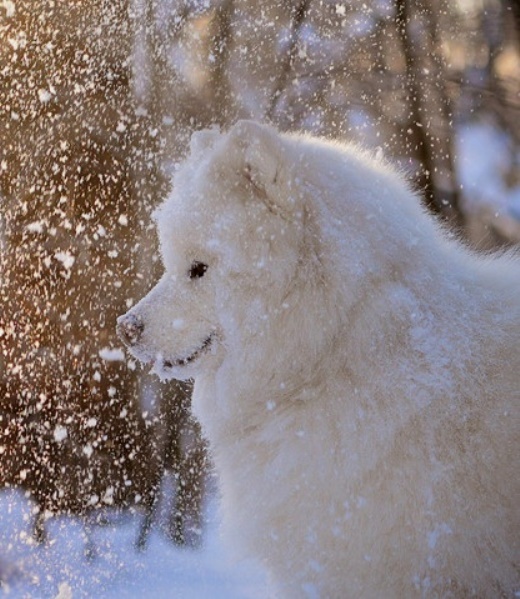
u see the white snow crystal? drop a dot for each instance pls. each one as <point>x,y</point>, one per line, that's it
<point>178,323</point>
<point>35,227</point>
<point>64,591</point>
<point>9,8</point>
<point>60,433</point>
<point>112,354</point>
<point>108,497</point>
<point>434,535</point>
<point>44,95</point>
<point>66,258</point>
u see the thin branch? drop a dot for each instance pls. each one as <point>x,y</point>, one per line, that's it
<point>224,109</point>
<point>287,65</point>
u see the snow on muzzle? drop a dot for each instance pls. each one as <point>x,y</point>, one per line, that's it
<point>130,328</point>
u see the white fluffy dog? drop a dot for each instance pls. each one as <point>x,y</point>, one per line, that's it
<point>357,372</point>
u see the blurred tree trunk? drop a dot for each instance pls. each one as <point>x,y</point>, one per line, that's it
<point>79,177</point>
<point>430,115</point>
<point>75,185</point>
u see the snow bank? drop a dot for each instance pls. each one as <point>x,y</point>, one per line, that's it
<point>76,563</point>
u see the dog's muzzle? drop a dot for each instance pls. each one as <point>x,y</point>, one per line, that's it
<point>129,329</point>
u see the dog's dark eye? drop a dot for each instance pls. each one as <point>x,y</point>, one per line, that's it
<point>197,270</point>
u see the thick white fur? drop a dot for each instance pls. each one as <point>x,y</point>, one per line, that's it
<point>361,391</point>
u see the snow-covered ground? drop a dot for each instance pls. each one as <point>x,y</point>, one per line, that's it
<point>61,569</point>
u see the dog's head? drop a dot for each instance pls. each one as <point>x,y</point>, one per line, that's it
<point>230,237</point>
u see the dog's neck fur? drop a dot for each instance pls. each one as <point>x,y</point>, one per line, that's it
<point>394,315</point>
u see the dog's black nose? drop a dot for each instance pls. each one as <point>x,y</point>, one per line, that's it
<point>129,328</point>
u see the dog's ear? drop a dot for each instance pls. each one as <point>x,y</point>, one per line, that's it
<point>261,161</point>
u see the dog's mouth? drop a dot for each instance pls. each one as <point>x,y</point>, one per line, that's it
<point>192,357</point>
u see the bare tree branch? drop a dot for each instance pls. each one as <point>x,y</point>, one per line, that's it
<point>299,16</point>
